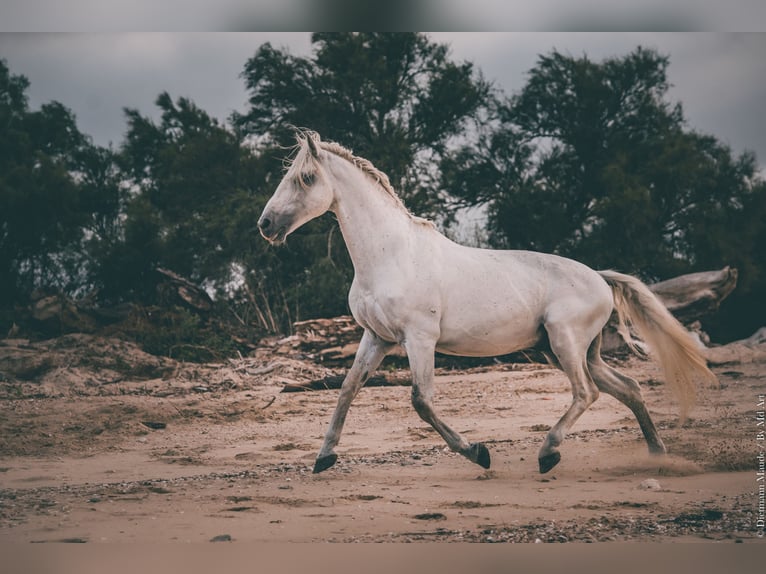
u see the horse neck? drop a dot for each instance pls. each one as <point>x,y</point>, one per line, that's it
<point>372,222</point>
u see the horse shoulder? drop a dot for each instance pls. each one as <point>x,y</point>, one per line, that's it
<point>392,313</point>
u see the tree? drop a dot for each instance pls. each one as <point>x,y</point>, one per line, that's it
<point>50,201</point>
<point>590,160</point>
<point>197,190</point>
<point>395,99</point>
<point>186,179</point>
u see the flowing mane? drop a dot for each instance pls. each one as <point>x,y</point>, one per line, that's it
<point>305,162</point>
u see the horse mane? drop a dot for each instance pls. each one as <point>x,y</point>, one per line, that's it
<point>360,163</point>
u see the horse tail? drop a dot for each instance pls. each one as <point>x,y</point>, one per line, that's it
<point>676,351</point>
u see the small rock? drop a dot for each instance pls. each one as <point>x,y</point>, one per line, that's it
<point>154,425</point>
<point>430,516</point>
<point>221,538</point>
<point>650,484</point>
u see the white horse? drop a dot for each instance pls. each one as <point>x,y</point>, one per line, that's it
<point>416,288</point>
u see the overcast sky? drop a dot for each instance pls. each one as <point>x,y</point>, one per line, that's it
<point>720,78</point>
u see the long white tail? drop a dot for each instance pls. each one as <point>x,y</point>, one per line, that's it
<point>673,347</point>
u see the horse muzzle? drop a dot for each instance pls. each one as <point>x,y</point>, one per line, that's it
<point>271,230</point>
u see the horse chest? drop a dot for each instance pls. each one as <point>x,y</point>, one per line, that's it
<point>391,313</point>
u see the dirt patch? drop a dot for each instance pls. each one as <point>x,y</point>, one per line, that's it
<point>90,452</point>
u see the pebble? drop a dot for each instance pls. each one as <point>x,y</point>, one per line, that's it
<point>650,484</point>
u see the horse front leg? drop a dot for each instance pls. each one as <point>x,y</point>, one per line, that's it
<point>421,357</point>
<point>371,352</point>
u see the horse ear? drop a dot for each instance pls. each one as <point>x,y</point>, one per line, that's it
<point>312,140</point>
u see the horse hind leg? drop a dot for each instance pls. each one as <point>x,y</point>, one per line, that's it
<point>627,391</point>
<point>570,355</point>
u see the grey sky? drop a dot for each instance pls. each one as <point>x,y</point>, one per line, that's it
<point>720,78</point>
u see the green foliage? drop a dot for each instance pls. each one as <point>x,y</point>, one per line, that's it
<point>179,333</point>
<point>395,99</point>
<point>199,192</point>
<point>53,195</point>
<point>591,161</point>
<point>184,171</point>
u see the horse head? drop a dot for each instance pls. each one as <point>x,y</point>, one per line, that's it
<point>303,194</point>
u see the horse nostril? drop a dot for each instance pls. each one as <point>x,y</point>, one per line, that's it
<point>265,224</point>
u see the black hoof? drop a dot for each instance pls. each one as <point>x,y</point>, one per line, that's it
<point>324,462</point>
<point>549,461</point>
<point>480,454</point>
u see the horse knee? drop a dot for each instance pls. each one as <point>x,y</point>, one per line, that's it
<point>623,388</point>
<point>586,394</point>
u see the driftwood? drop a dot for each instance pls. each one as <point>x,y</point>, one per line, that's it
<point>190,294</point>
<point>335,382</point>
<point>337,337</point>
<point>53,312</point>
<point>750,350</point>
<point>696,295</point>
<point>332,342</point>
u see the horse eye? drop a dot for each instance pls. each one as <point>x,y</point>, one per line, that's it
<point>307,179</point>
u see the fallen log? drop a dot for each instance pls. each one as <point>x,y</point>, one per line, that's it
<point>335,382</point>
<point>190,294</point>
<point>696,295</point>
<point>750,350</point>
<point>319,335</point>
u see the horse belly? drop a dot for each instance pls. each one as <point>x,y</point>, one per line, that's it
<point>494,334</point>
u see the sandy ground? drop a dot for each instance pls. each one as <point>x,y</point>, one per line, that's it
<point>80,461</point>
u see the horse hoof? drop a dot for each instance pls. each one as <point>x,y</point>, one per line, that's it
<point>324,462</point>
<point>480,454</point>
<point>548,461</point>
